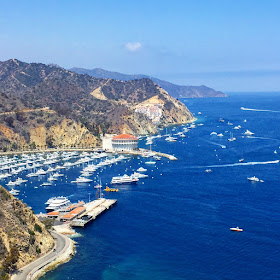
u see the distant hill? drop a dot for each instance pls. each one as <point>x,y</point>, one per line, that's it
<point>48,106</point>
<point>175,91</point>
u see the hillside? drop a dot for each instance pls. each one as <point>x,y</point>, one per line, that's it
<point>46,105</point>
<point>176,91</point>
<point>23,237</point>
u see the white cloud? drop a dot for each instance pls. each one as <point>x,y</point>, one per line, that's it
<point>133,46</point>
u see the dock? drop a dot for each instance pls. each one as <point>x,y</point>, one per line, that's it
<point>93,210</point>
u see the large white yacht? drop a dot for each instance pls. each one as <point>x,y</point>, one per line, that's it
<point>57,203</point>
<point>248,133</point>
<point>125,179</point>
<point>82,180</point>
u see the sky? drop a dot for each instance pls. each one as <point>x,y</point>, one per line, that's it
<point>228,45</point>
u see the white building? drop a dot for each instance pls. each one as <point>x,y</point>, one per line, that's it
<point>124,142</point>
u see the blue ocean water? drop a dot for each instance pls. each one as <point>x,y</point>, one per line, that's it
<point>175,224</point>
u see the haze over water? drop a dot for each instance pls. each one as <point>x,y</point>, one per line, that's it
<point>176,225</point>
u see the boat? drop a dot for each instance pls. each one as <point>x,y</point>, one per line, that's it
<point>231,139</point>
<point>14,192</point>
<point>221,120</point>
<point>46,184</point>
<point>125,179</point>
<point>139,175</point>
<point>20,181</point>
<point>241,160</point>
<point>107,189</point>
<point>236,229</point>
<point>213,133</point>
<point>11,183</point>
<point>57,203</point>
<point>82,180</point>
<point>150,162</point>
<point>141,169</point>
<point>220,135</point>
<point>208,170</point>
<point>248,133</point>
<point>253,179</point>
<point>171,139</point>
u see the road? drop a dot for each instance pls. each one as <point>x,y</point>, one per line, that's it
<point>62,243</point>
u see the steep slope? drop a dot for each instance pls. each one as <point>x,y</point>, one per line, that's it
<point>176,91</point>
<point>23,237</point>
<point>45,105</point>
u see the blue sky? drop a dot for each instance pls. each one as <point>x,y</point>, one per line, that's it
<point>227,45</point>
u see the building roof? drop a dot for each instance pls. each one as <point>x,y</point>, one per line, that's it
<point>53,213</point>
<point>125,137</point>
<point>78,210</point>
<point>67,216</point>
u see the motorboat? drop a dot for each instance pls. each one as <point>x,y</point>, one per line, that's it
<point>236,229</point>
<point>46,184</point>
<point>20,181</point>
<point>241,160</point>
<point>14,192</point>
<point>248,133</point>
<point>253,179</point>
<point>141,169</point>
<point>82,180</point>
<point>57,203</point>
<point>220,135</point>
<point>125,179</point>
<point>208,170</point>
<point>139,175</point>
<point>213,133</point>
<point>150,162</point>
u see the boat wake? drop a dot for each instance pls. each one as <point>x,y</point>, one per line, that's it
<point>217,144</point>
<point>245,163</point>
<point>258,110</point>
<point>264,138</point>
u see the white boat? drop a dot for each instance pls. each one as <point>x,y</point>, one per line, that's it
<point>139,175</point>
<point>125,179</point>
<point>241,160</point>
<point>213,133</point>
<point>220,135</point>
<point>171,139</point>
<point>231,139</point>
<point>236,229</point>
<point>11,183</point>
<point>56,174</point>
<point>46,184</point>
<point>208,170</point>
<point>248,133</point>
<point>20,181</point>
<point>253,179</point>
<point>150,162</point>
<point>141,169</point>
<point>14,192</point>
<point>57,203</point>
<point>82,180</point>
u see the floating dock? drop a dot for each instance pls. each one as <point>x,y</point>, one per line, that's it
<point>93,210</point>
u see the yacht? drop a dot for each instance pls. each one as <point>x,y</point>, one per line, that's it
<point>150,162</point>
<point>139,175</point>
<point>248,133</point>
<point>171,139</point>
<point>253,179</point>
<point>82,180</point>
<point>14,192</point>
<point>220,134</point>
<point>11,183</point>
<point>46,184</point>
<point>125,179</point>
<point>236,229</point>
<point>141,169</point>
<point>57,203</point>
<point>20,181</point>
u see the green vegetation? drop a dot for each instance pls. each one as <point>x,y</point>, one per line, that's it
<point>37,228</point>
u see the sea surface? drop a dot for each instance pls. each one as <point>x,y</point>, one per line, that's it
<point>175,224</point>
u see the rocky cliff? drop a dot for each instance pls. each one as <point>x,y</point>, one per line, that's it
<point>23,237</point>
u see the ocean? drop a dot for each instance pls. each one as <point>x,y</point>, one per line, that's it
<point>176,223</point>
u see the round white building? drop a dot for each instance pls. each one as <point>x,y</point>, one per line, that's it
<point>125,142</point>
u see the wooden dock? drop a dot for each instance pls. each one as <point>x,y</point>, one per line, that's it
<point>93,210</point>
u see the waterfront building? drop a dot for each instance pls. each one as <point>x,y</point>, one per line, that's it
<point>124,142</point>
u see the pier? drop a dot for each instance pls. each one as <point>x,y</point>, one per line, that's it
<point>93,210</point>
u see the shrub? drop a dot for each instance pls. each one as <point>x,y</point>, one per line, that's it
<point>37,228</point>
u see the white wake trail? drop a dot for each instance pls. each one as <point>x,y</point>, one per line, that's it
<point>245,163</point>
<point>264,138</point>
<point>217,144</point>
<point>258,110</point>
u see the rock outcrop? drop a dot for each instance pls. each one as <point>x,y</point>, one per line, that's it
<point>23,237</point>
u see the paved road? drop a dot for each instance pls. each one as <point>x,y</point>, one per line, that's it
<point>61,245</point>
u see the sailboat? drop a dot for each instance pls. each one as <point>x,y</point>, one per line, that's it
<point>231,138</point>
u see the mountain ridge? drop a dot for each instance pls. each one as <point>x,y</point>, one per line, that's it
<point>176,91</point>
<point>80,107</point>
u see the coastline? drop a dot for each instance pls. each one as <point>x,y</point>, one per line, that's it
<point>55,257</point>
